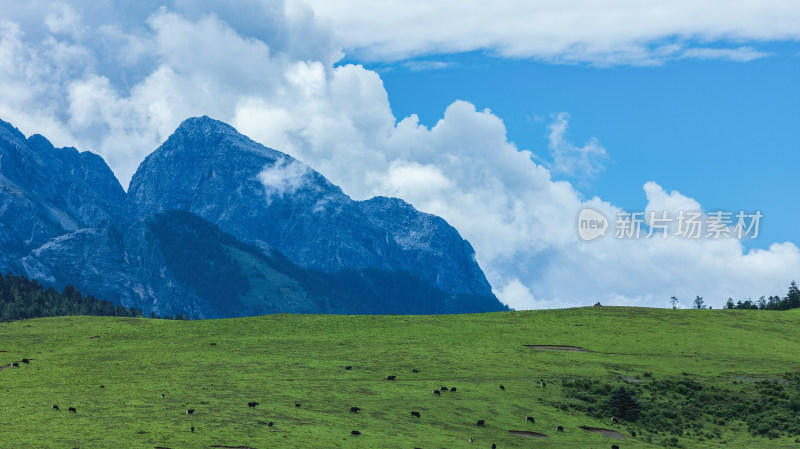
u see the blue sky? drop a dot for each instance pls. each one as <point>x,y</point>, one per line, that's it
<point>727,133</point>
<point>506,118</point>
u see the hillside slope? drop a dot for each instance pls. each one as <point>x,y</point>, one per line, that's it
<point>744,363</point>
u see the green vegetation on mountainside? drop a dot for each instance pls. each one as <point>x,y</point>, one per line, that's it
<point>24,298</point>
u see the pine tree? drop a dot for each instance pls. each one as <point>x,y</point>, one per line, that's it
<point>793,297</point>
<point>623,404</point>
<point>698,303</point>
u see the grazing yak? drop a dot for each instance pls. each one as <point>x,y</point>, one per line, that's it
<point>14,365</point>
<point>252,404</point>
<point>413,414</point>
<point>72,409</point>
<point>162,396</point>
<point>270,424</point>
<point>614,446</point>
<point>437,393</point>
<point>355,433</point>
<point>502,387</point>
<point>190,411</point>
<point>494,446</point>
<point>55,407</point>
<point>192,428</point>
<point>414,370</point>
<point>391,378</point>
<point>544,384</point>
<point>354,409</point>
<point>470,440</point>
<point>443,389</point>
<point>530,418</point>
<point>453,389</point>
<point>614,419</point>
<point>348,367</point>
<point>480,423</point>
<point>26,361</point>
<point>560,428</point>
<point>297,405</point>
<point>633,434</point>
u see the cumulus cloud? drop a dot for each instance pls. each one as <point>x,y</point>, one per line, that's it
<point>123,83</point>
<point>601,32</point>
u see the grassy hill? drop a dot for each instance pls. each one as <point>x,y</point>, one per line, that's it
<point>704,378</point>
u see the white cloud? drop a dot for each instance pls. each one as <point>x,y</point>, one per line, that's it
<point>740,54</point>
<point>284,177</point>
<point>63,19</point>
<point>601,32</point>
<point>570,159</point>
<point>123,84</point>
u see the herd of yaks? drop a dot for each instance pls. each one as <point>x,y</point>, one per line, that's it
<point>414,414</point>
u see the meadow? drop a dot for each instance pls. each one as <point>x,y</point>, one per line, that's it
<point>704,378</point>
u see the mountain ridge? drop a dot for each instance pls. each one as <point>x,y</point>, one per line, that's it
<point>68,220</point>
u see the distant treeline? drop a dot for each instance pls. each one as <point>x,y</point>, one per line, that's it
<point>790,301</point>
<point>24,298</point>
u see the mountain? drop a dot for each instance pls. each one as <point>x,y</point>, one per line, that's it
<point>217,225</point>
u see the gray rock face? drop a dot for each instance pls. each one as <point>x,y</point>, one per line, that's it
<point>262,196</point>
<point>47,193</point>
<point>64,218</point>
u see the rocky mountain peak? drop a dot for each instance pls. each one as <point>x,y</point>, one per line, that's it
<point>211,206</point>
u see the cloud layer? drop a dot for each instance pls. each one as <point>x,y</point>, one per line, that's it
<point>601,32</point>
<point>119,81</point>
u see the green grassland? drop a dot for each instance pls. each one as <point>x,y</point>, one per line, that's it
<point>746,363</point>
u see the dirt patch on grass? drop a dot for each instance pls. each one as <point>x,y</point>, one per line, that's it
<point>526,433</point>
<point>4,367</point>
<point>556,348</point>
<point>232,447</point>
<point>94,337</point>
<point>607,432</point>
